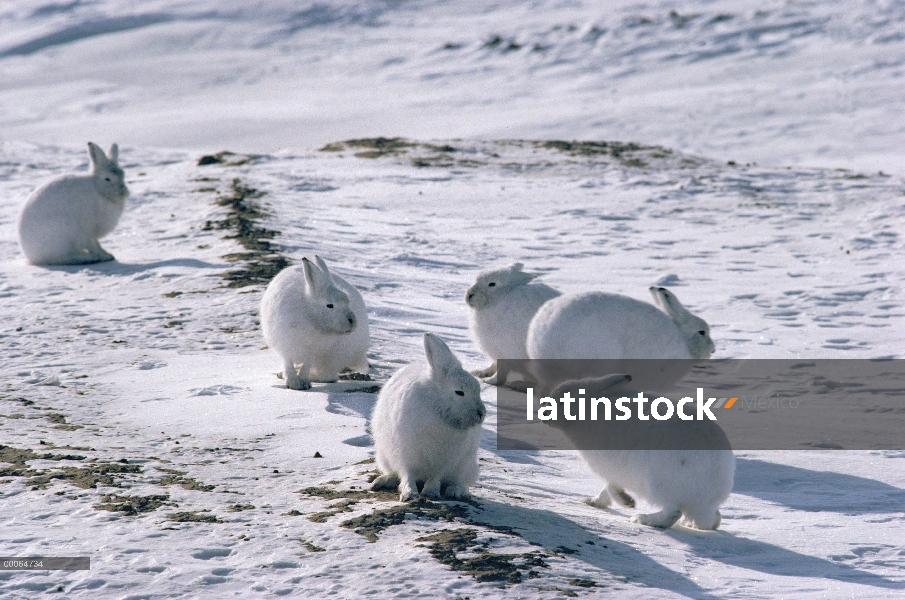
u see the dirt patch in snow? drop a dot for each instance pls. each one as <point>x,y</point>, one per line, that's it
<point>262,259</point>
<point>133,505</point>
<point>175,477</point>
<point>446,546</point>
<point>371,524</point>
<point>198,516</point>
<point>87,476</point>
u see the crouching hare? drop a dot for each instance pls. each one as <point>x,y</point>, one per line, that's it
<point>502,303</point>
<point>600,325</point>
<point>688,484</point>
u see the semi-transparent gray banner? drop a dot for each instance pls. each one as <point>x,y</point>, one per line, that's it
<point>45,563</point>
<point>745,404</point>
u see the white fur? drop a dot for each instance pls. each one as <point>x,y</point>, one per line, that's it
<point>694,330</point>
<point>502,303</point>
<point>598,325</point>
<point>62,221</point>
<point>690,484</point>
<point>316,322</point>
<point>424,431</point>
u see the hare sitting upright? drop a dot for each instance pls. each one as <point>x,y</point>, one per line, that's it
<point>62,221</point>
<point>427,427</point>
<point>317,323</point>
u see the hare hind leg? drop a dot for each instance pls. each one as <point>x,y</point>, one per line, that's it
<point>76,255</point>
<point>360,365</point>
<point>664,519</point>
<point>601,500</point>
<point>703,520</point>
<point>456,491</point>
<point>431,488</point>
<point>79,258</point>
<point>486,371</point>
<point>618,494</point>
<point>385,482</point>
<point>100,255</point>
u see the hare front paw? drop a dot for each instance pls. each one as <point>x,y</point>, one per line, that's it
<point>297,383</point>
<point>406,493</point>
<point>457,492</point>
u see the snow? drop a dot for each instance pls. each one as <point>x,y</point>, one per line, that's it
<point>154,366</point>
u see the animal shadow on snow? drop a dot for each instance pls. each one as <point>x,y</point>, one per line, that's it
<point>815,491</point>
<point>730,549</point>
<point>115,267</point>
<point>351,403</point>
<point>522,457</point>
<point>558,534</point>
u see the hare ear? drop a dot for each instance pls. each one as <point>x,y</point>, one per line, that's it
<point>114,154</point>
<point>323,267</point>
<point>655,294</point>
<point>313,276</point>
<point>98,158</point>
<point>517,276</point>
<point>610,382</point>
<point>669,304</point>
<point>439,356</point>
<point>593,386</point>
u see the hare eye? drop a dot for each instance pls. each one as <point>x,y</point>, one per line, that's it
<point>702,332</point>
<point>460,393</point>
<point>107,178</point>
<point>491,284</point>
<point>329,306</point>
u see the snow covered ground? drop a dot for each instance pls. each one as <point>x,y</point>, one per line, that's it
<point>142,421</point>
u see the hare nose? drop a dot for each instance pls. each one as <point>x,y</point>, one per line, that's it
<point>351,318</point>
<point>481,412</point>
<point>470,295</point>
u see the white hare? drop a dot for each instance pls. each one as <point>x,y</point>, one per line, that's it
<point>502,303</point>
<point>317,323</point>
<point>62,221</point>
<point>427,427</point>
<point>598,325</point>
<point>694,330</point>
<point>689,484</point>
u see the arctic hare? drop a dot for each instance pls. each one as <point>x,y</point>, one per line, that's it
<point>427,427</point>
<point>317,323</point>
<point>694,329</point>
<point>503,302</point>
<point>62,220</point>
<point>598,325</point>
<point>690,484</point>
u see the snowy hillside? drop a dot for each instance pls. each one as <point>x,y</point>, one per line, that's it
<point>774,82</point>
<point>755,166</point>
